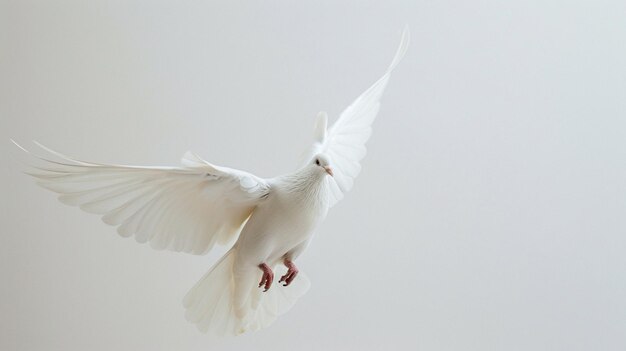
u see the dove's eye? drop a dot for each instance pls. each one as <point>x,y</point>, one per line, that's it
<point>317,162</point>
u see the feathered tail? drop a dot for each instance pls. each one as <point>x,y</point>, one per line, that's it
<point>210,304</point>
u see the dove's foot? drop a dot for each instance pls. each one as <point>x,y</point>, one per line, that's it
<point>268,276</point>
<point>292,272</point>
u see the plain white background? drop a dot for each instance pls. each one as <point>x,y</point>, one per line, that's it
<point>490,213</point>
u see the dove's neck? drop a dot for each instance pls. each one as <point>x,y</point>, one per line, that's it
<point>308,185</point>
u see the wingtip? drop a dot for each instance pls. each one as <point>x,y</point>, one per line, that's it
<point>321,125</point>
<point>406,35</point>
<point>19,146</point>
<point>402,48</point>
<point>322,119</point>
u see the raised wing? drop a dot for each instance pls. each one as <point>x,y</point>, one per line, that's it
<point>185,209</point>
<point>344,142</point>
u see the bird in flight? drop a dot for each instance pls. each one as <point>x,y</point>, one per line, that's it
<point>194,207</point>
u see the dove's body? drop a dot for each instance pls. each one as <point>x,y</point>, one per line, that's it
<point>280,227</point>
<point>286,219</point>
<point>192,208</point>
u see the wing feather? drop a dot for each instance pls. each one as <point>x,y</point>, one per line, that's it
<point>344,142</point>
<point>188,209</point>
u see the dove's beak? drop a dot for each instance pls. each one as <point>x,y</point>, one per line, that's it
<point>328,170</point>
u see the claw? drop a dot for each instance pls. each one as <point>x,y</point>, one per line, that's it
<point>267,278</point>
<point>292,272</point>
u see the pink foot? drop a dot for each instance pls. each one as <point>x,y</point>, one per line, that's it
<point>268,276</point>
<point>292,272</point>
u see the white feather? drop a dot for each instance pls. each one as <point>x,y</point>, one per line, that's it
<point>154,203</point>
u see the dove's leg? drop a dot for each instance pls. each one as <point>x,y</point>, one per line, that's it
<point>292,272</point>
<point>268,276</point>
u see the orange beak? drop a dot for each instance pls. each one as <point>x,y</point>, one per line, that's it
<point>328,170</point>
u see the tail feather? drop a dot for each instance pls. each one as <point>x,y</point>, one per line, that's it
<point>210,303</point>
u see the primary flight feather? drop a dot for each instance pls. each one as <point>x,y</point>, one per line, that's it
<point>192,208</point>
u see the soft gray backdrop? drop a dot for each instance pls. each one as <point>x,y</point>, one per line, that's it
<point>490,213</point>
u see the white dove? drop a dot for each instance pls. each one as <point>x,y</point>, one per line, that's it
<point>192,208</point>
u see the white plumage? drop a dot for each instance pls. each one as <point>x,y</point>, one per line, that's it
<point>193,207</point>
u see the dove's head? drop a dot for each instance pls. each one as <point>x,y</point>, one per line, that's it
<point>322,161</point>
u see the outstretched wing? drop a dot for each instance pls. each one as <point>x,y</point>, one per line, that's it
<point>344,142</point>
<point>185,209</point>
